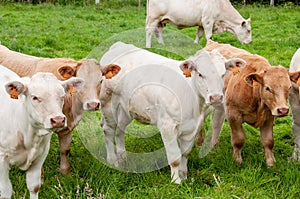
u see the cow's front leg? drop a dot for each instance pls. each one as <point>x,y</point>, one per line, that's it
<point>186,145</point>
<point>199,34</point>
<point>64,143</point>
<point>238,136</point>
<point>217,123</point>
<point>34,176</point>
<point>5,184</point>
<point>295,106</point>
<point>169,138</point>
<point>266,134</point>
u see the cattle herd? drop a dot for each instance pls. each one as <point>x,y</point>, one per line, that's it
<point>44,95</point>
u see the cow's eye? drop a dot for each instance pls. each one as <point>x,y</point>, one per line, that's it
<point>101,81</point>
<point>200,75</point>
<point>35,98</point>
<point>268,89</point>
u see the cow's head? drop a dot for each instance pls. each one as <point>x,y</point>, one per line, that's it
<point>93,73</point>
<point>243,31</point>
<point>207,71</point>
<point>274,84</point>
<point>43,97</point>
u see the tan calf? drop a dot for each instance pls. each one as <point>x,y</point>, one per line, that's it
<point>256,95</point>
<point>76,102</point>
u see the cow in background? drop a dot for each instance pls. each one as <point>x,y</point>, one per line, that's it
<point>211,16</point>
<point>76,102</point>
<point>27,121</point>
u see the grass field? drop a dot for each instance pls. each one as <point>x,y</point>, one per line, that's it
<point>70,31</point>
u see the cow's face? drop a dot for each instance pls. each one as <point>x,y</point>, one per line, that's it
<point>43,97</point>
<point>93,74</point>
<point>274,86</point>
<point>243,32</point>
<point>206,77</point>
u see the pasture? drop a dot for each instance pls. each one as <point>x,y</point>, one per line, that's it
<point>49,30</point>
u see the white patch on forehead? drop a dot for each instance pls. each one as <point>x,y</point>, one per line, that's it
<point>45,84</point>
<point>205,65</point>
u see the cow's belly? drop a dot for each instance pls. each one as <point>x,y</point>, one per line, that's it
<point>153,103</point>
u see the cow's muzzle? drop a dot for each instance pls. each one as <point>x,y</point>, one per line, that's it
<point>57,122</point>
<point>283,111</point>
<point>216,98</point>
<point>93,106</point>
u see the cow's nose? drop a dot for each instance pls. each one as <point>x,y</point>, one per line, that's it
<point>58,121</point>
<point>215,98</point>
<point>283,111</point>
<point>92,106</point>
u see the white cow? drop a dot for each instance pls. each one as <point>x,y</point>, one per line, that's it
<point>294,98</point>
<point>211,16</point>
<point>152,89</point>
<point>26,124</point>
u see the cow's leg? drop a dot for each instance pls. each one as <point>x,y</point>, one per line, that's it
<point>238,135</point>
<point>186,145</point>
<point>151,26</point>
<point>64,138</point>
<point>34,172</point>
<point>266,134</point>
<point>199,34</point>
<point>208,28</point>
<point>217,123</point>
<point>169,137</point>
<point>123,121</point>
<point>5,184</point>
<point>295,106</point>
<point>158,33</point>
<point>109,129</point>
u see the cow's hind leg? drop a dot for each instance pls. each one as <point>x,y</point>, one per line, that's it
<point>158,33</point>
<point>169,137</point>
<point>266,133</point>
<point>151,26</point>
<point>199,34</point>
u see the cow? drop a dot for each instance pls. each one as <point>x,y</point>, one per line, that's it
<point>255,96</point>
<point>173,95</point>
<point>294,98</point>
<point>31,108</point>
<point>211,16</point>
<point>76,102</point>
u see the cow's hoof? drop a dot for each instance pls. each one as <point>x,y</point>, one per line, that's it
<point>65,171</point>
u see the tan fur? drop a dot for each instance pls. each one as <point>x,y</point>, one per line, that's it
<point>246,100</point>
<point>26,65</point>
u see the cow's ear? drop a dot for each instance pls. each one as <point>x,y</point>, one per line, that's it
<point>187,67</point>
<point>73,84</point>
<point>295,77</point>
<point>253,79</point>
<point>110,70</point>
<point>235,65</point>
<point>15,88</point>
<point>66,72</point>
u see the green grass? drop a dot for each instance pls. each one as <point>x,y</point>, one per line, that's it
<point>68,31</point>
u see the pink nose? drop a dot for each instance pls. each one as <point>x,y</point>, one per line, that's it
<point>92,106</point>
<point>283,111</point>
<point>58,121</point>
<point>215,98</point>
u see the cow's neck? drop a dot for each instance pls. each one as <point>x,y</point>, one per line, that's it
<point>77,108</point>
